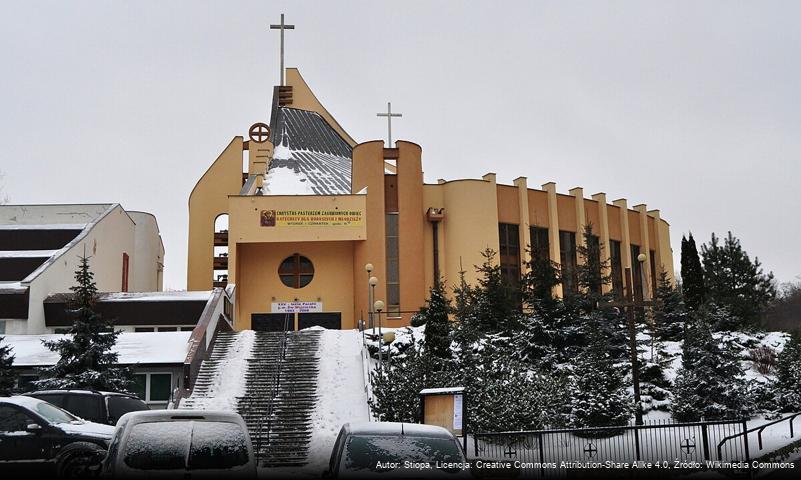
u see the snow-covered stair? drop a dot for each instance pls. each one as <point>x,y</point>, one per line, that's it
<point>219,383</point>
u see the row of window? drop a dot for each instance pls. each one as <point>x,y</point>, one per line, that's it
<point>151,387</point>
<point>509,245</point>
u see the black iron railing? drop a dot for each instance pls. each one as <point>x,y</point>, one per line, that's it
<point>654,442</point>
<point>759,429</point>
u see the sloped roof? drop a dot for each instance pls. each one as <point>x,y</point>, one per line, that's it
<point>310,157</point>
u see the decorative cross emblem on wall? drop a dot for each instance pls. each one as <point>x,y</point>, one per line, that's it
<point>687,446</point>
<point>590,450</point>
<point>259,132</point>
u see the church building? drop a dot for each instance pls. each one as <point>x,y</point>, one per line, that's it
<point>288,218</point>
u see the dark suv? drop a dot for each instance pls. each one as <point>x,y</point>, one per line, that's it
<point>100,407</point>
<point>36,436</point>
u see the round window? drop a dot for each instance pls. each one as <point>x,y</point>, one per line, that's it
<point>296,271</point>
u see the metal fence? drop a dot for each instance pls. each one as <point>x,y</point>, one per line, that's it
<point>693,445</point>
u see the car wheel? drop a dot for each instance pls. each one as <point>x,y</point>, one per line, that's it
<point>78,460</point>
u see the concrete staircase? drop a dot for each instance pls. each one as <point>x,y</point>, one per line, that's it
<point>280,392</point>
<point>280,396</point>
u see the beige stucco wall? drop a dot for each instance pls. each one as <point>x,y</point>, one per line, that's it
<point>208,200</point>
<point>258,284</point>
<point>146,266</point>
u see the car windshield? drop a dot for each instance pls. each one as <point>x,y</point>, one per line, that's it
<point>377,453</point>
<point>168,445</point>
<point>54,414</point>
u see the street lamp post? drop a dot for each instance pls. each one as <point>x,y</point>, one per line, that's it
<point>368,267</point>
<point>642,258</point>
<point>389,337</point>
<point>379,306</point>
<point>373,282</point>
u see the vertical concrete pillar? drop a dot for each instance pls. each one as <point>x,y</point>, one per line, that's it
<point>603,236</point>
<point>411,224</point>
<point>581,220</point>
<point>553,228</point>
<point>525,233</point>
<point>646,249</point>
<point>664,253</point>
<point>625,243</point>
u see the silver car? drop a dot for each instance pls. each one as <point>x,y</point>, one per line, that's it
<point>180,444</point>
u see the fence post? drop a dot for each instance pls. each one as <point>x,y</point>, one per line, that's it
<point>637,442</point>
<point>475,445</point>
<point>705,437</point>
<point>542,455</point>
<point>745,444</point>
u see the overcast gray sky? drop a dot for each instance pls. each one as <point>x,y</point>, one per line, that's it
<point>691,107</point>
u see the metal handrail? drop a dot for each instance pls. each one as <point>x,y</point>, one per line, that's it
<point>609,427</point>
<point>759,429</point>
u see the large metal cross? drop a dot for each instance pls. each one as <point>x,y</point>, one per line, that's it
<point>282,26</point>
<point>389,116</point>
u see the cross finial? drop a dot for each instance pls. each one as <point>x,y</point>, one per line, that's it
<point>282,26</point>
<point>389,116</point>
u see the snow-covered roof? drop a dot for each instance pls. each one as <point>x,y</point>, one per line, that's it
<point>27,253</point>
<point>395,428</point>
<point>310,158</point>
<point>441,391</point>
<point>155,296</point>
<point>45,226</point>
<point>132,347</point>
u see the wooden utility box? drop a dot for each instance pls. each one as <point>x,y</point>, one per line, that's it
<point>445,407</point>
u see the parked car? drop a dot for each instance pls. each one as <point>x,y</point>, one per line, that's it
<point>180,444</point>
<point>36,436</point>
<point>92,405</point>
<point>401,450</point>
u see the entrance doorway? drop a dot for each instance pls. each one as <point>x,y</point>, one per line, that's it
<point>329,320</point>
<point>272,322</point>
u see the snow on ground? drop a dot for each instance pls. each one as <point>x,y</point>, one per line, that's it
<point>340,390</point>
<point>229,381</point>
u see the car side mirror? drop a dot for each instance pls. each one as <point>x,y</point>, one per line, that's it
<point>33,428</point>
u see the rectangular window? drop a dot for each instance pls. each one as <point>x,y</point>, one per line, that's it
<point>168,329</point>
<point>509,242</point>
<point>654,278</point>
<point>124,272</point>
<point>153,387</point>
<point>636,272</point>
<point>393,265</point>
<point>2,327</point>
<point>187,329</point>
<point>567,260</point>
<point>25,382</point>
<point>540,242</point>
<point>617,269</point>
<point>144,329</point>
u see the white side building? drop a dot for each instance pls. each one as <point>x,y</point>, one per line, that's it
<point>41,246</point>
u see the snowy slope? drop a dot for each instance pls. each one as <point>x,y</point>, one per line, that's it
<point>341,393</point>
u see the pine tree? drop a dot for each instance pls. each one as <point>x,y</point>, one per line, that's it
<point>788,376</point>
<point>670,314</point>
<point>592,270</point>
<point>734,281</point>
<point>537,284</point>
<point>709,384</point>
<point>599,396</point>
<point>86,357</point>
<point>8,378</point>
<point>494,303</point>
<point>438,326</point>
<point>692,274</point>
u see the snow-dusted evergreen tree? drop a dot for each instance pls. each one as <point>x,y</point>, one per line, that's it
<point>592,271</point>
<point>669,312</point>
<point>788,376</point>
<point>438,326</point>
<point>494,303</point>
<point>692,274</point>
<point>709,384</point>
<point>734,281</point>
<point>598,392</point>
<point>8,378</point>
<point>86,359</point>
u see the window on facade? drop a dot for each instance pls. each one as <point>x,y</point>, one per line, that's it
<point>296,271</point>
<point>393,265</point>
<point>144,329</point>
<point>540,242</point>
<point>636,272</point>
<point>2,327</point>
<point>509,242</point>
<point>567,260</point>
<point>152,387</point>
<point>125,261</point>
<point>654,278</point>
<point>617,268</point>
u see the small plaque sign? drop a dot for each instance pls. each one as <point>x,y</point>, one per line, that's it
<point>297,307</point>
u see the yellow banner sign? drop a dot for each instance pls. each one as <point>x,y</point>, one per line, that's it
<point>311,218</point>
